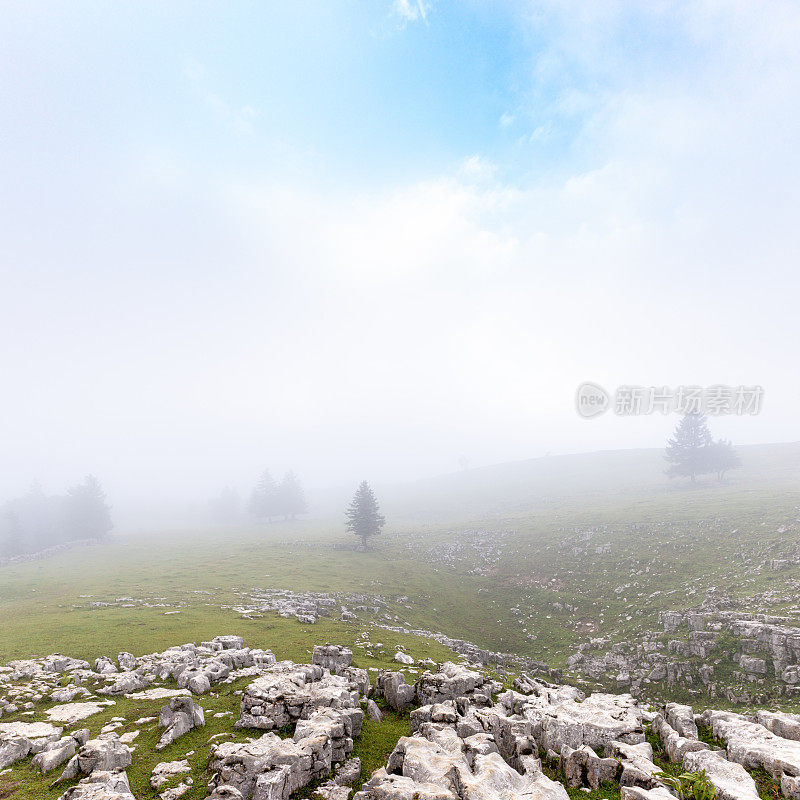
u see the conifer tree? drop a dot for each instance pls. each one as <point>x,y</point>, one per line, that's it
<point>291,498</point>
<point>363,515</point>
<point>688,450</point>
<point>723,457</point>
<point>264,498</point>
<point>86,514</point>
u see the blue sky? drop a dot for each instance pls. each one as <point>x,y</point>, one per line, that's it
<point>356,84</point>
<point>365,91</point>
<point>363,238</point>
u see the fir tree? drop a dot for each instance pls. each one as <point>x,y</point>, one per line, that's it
<point>11,534</point>
<point>723,457</point>
<point>264,498</point>
<point>363,515</point>
<point>291,498</point>
<point>86,514</point>
<point>689,448</point>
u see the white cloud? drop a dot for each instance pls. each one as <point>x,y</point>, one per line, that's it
<point>411,10</point>
<point>671,226</point>
<point>477,168</point>
<point>383,331</point>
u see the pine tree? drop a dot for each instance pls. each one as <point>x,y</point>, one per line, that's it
<point>86,514</point>
<point>11,534</point>
<point>363,515</point>
<point>688,450</point>
<point>263,500</point>
<point>291,498</point>
<point>723,457</point>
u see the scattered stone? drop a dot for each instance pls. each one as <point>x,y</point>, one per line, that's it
<point>332,657</point>
<point>158,694</point>
<point>105,753</point>
<point>70,713</point>
<point>55,754</point>
<point>101,785</point>
<point>20,739</point>
<point>179,716</point>
<point>166,771</point>
<point>373,712</point>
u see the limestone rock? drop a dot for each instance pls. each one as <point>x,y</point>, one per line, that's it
<point>106,753</point>
<point>731,781</point>
<point>781,724</point>
<point>638,768</point>
<point>450,682</point>
<point>179,716</point>
<point>127,662</point>
<point>126,682</point>
<point>681,718</point>
<point>373,712</point>
<point>288,691</point>
<point>675,746</point>
<point>753,746</point>
<point>332,657</point>
<point>392,686</point>
<point>70,713</point>
<point>583,767</point>
<point>55,754</point>
<point>20,739</point>
<point>638,793</point>
<point>101,785</point>
<point>166,771</point>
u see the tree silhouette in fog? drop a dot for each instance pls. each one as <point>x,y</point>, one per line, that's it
<point>363,515</point>
<point>692,451</point>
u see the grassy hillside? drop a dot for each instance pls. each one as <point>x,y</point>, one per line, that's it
<point>506,572</point>
<point>616,478</point>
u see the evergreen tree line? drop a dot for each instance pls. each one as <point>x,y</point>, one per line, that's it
<point>692,451</point>
<point>37,521</point>
<point>270,499</point>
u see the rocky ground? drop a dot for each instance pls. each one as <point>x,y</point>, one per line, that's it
<point>717,649</point>
<point>77,730</point>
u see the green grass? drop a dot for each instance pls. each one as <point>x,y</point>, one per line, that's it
<point>378,739</point>
<point>664,550</point>
<point>767,787</point>
<point>543,590</point>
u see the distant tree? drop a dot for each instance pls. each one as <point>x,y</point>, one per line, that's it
<point>463,462</point>
<point>12,537</point>
<point>722,457</point>
<point>86,515</point>
<point>41,518</point>
<point>363,515</point>
<point>687,451</point>
<point>291,498</point>
<point>264,498</point>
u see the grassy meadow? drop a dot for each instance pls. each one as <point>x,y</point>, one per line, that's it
<point>519,577</point>
<point>491,556</point>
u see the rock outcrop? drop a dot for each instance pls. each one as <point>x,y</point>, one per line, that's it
<point>178,716</point>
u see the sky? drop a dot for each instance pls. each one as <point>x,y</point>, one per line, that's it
<point>364,239</point>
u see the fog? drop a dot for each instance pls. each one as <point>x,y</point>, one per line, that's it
<point>329,238</point>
